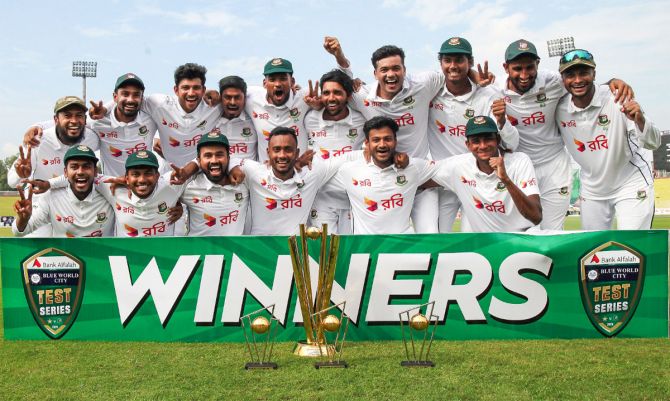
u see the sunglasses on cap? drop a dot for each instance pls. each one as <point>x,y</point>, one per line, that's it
<point>575,54</point>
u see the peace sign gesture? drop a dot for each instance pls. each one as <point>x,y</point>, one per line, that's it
<point>97,110</point>
<point>23,207</point>
<point>485,77</point>
<point>312,98</point>
<point>24,166</point>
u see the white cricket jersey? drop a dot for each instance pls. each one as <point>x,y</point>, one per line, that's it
<point>47,158</point>
<point>606,144</point>
<point>215,209</point>
<point>137,217</point>
<point>70,217</point>
<point>180,131</point>
<point>485,201</point>
<point>330,138</point>
<point>449,114</point>
<point>118,140</point>
<point>266,116</point>
<point>278,207</point>
<point>409,108</point>
<point>382,198</point>
<point>241,136</point>
<point>533,115</point>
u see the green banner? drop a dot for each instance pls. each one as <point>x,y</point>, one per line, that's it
<point>484,286</point>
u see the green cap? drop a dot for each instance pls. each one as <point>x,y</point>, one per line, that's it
<point>79,152</point>
<point>277,65</point>
<point>68,101</point>
<point>519,48</point>
<point>129,78</point>
<point>480,125</point>
<point>213,138</point>
<point>142,158</point>
<point>576,57</point>
<point>456,45</point>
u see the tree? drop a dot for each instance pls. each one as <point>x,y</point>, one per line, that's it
<point>5,165</point>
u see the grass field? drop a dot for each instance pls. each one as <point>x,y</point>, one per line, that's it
<point>603,369</point>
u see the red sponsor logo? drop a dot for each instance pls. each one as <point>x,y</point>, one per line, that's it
<point>65,219</point>
<point>535,118</point>
<point>206,199</point>
<point>438,106</point>
<point>325,154</point>
<point>512,120</point>
<point>369,103</point>
<point>319,134</point>
<point>599,143</point>
<point>266,135</point>
<point>571,123</point>
<point>114,151</point>
<point>580,145</point>
<point>470,183</point>
<point>112,134</point>
<point>405,119</point>
<point>340,152</point>
<point>396,200</point>
<point>495,207</point>
<point>363,183</point>
<point>271,203</point>
<point>173,142</point>
<point>440,126</point>
<point>262,116</point>
<point>130,231</point>
<point>170,124</point>
<point>595,259</point>
<point>458,130</point>
<point>529,183</point>
<point>210,221</point>
<point>47,162</point>
<point>136,148</point>
<point>371,205</point>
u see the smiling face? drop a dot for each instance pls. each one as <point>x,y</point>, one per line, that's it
<point>128,99</point>
<point>80,173</point>
<point>578,80</point>
<point>381,143</point>
<point>483,146</point>
<point>190,93</point>
<point>232,102</point>
<point>455,67</point>
<point>278,87</point>
<point>213,160</point>
<point>390,73</point>
<point>335,99</point>
<point>282,154</point>
<point>70,124</point>
<point>142,180</point>
<point>522,72</point>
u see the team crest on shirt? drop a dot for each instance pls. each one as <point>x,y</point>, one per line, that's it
<point>353,134</point>
<point>603,120</point>
<point>642,194</point>
<point>101,217</point>
<point>469,113</point>
<point>500,187</point>
<point>299,185</point>
<point>238,197</point>
<point>295,113</point>
<point>409,100</point>
<point>202,124</point>
<point>541,98</point>
<point>313,214</point>
<point>162,208</point>
<point>401,180</point>
<point>143,131</point>
<point>563,191</point>
<point>246,132</point>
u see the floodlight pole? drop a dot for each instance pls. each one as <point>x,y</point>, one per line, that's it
<point>84,69</point>
<point>558,47</point>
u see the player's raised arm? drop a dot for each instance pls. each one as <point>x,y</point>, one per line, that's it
<point>332,46</point>
<point>528,205</point>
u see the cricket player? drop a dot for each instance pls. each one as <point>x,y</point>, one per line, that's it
<point>333,132</point>
<point>532,96</point>
<point>235,123</point>
<point>276,105</point>
<point>455,104</point>
<point>404,98</point>
<point>46,161</point>
<point>611,143</point>
<point>382,195</point>
<point>74,211</point>
<point>215,206</point>
<point>497,189</point>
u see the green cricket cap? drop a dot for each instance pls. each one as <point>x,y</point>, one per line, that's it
<point>68,101</point>
<point>520,48</point>
<point>142,158</point>
<point>277,65</point>
<point>480,125</point>
<point>129,78</point>
<point>456,45</point>
<point>213,138</point>
<point>79,152</point>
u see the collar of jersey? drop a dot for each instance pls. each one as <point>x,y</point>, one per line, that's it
<point>114,123</point>
<point>476,171</point>
<point>444,92</point>
<point>286,105</point>
<point>243,116</point>
<point>371,164</point>
<point>202,181</point>
<point>598,101</point>
<point>297,177</point>
<point>73,198</point>
<point>399,97</point>
<point>348,120</point>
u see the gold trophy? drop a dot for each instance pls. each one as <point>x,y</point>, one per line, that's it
<point>260,340</point>
<point>314,311</point>
<point>330,323</point>
<point>418,323</point>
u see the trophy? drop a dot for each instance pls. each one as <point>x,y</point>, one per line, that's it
<point>314,310</point>
<point>330,323</point>
<point>418,323</point>
<point>260,339</point>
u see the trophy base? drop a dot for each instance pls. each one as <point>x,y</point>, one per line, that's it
<point>331,364</point>
<point>313,350</point>
<point>260,365</point>
<point>419,364</point>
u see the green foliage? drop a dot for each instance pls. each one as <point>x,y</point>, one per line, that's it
<point>5,165</point>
